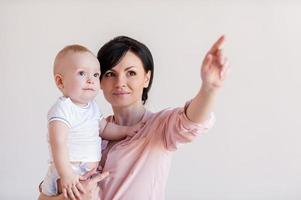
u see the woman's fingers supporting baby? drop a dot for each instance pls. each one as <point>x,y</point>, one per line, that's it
<point>92,181</point>
<point>88,174</point>
<point>99,177</point>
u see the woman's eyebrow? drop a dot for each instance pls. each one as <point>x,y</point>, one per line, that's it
<point>128,68</point>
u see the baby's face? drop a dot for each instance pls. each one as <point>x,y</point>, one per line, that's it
<point>81,77</point>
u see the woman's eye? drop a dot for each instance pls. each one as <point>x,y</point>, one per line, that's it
<point>132,73</point>
<point>109,74</point>
<point>81,73</point>
<point>96,75</point>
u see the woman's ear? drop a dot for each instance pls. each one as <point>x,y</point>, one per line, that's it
<point>147,78</point>
<point>58,78</point>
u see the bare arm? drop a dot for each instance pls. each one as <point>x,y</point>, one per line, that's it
<point>213,74</point>
<point>111,131</point>
<point>58,134</point>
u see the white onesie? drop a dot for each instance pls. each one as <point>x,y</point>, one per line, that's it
<point>84,143</point>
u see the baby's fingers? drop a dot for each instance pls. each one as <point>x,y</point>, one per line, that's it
<point>70,194</point>
<point>76,192</point>
<point>65,193</point>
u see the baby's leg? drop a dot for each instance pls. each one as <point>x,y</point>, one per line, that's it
<point>49,186</point>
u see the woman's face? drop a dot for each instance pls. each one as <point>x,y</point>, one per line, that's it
<point>123,84</point>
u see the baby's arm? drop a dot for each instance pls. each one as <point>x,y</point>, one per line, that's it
<point>58,134</point>
<point>111,131</point>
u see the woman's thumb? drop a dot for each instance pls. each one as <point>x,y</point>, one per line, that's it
<point>88,174</point>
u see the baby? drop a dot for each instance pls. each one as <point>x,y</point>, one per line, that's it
<point>75,122</point>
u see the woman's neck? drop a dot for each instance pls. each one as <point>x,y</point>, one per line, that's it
<point>128,116</point>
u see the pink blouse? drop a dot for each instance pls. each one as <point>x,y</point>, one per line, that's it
<point>139,164</point>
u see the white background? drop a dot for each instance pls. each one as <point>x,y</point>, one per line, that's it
<point>253,152</point>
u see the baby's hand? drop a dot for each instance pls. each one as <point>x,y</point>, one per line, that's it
<point>71,187</point>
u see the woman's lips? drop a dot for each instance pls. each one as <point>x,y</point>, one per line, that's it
<point>120,93</point>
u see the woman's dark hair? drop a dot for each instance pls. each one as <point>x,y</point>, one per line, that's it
<point>110,54</point>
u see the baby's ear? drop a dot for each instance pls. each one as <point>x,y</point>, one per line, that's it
<point>58,78</point>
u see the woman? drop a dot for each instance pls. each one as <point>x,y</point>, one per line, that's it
<point>139,164</point>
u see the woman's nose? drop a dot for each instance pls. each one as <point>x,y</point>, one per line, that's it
<point>120,81</point>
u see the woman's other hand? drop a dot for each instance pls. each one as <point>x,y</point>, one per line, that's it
<point>90,185</point>
<point>215,66</point>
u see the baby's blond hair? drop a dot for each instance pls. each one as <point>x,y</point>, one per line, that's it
<point>74,48</point>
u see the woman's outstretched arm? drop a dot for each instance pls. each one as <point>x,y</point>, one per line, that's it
<point>213,73</point>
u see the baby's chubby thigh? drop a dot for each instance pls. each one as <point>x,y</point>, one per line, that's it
<point>49,186</point>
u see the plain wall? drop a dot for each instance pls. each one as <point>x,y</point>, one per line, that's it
<point>252,153</point>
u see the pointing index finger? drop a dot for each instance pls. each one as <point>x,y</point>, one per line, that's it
<point>217,45</point>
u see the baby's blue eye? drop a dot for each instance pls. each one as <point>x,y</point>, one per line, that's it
<point>96,75</point>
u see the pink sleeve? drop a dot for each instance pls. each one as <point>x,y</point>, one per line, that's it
<point>179,129</point>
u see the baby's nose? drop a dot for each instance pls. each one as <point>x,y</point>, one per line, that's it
<point>90,80</point>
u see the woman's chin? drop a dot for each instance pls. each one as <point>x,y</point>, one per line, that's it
<point>122,103</point>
